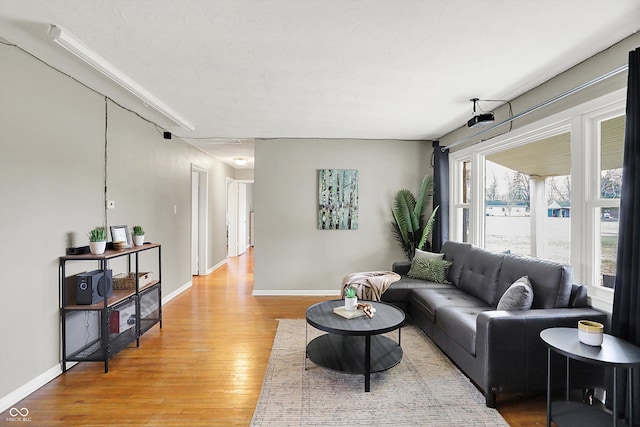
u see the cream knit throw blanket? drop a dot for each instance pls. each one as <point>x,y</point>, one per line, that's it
<point>370,285</point>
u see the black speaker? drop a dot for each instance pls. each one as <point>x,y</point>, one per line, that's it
<point>93,286</point>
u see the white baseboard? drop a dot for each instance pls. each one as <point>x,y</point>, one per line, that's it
<point>177,292</point>
<point>217,266</point>
<point>296,292</point>
<point>21,392</point>
<point>25,390</point>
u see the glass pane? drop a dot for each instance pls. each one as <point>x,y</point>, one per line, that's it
<point>466,182</point>
<point>608,245</point>
<point>557,225</point>
<point>611,153</point>
<point>463,224</point>
<point>507,216</point>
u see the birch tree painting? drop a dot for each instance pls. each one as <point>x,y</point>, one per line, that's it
<point>338,199</point>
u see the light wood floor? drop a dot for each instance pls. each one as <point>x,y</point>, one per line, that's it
<point>203,368</point>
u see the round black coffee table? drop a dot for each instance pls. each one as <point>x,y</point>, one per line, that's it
<point>355,346</point>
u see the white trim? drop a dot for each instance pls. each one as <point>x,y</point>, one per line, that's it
<point>599,303</point>
<point>177,292</point>
<point>217,266</point>
<point>25,390</point>
<point>296,292</point>
<point>89,56</point>
<point>476,210</point>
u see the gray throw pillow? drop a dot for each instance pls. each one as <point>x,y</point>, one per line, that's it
<point>519,296</point>
<point>430,255</point>
<point>433,270</point>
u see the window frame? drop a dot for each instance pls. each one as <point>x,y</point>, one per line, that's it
<point>593,202</point>
<point>582,122</point>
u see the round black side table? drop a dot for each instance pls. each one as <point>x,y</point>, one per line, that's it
<point>613,352</point>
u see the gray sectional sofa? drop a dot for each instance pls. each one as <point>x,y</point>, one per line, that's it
<point>501,351</point>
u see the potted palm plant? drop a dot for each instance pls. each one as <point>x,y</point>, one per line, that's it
<point>138,235</point>
<point>410,228</point>
<point>97,240</point>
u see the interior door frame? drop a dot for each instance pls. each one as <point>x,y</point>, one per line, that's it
<point>199,215</point>
<point>234,246</point>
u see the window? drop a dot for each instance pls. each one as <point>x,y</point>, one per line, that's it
<point>462,199</point>
<point>528,198</point>
<point>557,226</point>
<point>563,175</point>
<point>507,226</point>
<point>611,145</point>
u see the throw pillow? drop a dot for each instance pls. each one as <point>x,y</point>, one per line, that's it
<point>519,296</point>
<point>433,270</point>
<point>430,255</point>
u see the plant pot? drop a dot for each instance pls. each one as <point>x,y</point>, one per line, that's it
<point>590,333</point>
<point>351,304</point>
<point>138,240</point>
<point>97,248</point>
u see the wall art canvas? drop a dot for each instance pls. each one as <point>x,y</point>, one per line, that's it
<point>338,199</point>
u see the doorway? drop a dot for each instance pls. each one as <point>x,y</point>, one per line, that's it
<point>199,214</point>
<point>239,206</point>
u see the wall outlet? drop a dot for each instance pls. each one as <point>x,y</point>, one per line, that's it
<point>111,204</point>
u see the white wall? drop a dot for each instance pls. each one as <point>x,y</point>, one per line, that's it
<point>52,147</point>
<point>291,255</point>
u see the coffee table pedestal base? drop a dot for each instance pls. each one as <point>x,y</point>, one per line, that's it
<point>355,354</point>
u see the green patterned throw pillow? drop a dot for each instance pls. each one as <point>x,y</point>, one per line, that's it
<point>433,270</point>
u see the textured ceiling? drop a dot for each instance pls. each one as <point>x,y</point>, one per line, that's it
<point>376,69</point>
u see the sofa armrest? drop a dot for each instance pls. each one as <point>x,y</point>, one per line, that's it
<point>578,296</point>
<point>509,344</point>
<point>401,267</point>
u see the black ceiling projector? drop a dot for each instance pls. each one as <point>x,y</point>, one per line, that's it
<point>481,120</point>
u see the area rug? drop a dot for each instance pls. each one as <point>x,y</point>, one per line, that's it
<point>424,389</point>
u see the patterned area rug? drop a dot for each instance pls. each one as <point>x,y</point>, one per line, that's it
<point>425,389</point>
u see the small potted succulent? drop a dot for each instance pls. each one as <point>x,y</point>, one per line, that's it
<point>350,298</point>
<point>138,235</point>
<point>97,240</point>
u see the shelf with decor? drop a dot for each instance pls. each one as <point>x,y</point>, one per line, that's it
<point>102,313</point>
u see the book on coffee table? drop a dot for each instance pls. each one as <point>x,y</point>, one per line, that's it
<point>348,314</point>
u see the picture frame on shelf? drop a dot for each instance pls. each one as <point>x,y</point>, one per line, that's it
<point>121,233</point>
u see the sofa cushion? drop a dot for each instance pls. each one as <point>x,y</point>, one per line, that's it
<point>456,253</point>
<point>430,255</point>
<point>459,323</point>
<point>400,291</point>
<point>519,296</point>
<point>433,270</point>
<point>551,281</point>
<point>401,267</point>
<point>430,301</point>
<point>480,274</point>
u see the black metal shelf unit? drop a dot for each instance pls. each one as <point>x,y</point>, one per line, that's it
<point>97,332</point>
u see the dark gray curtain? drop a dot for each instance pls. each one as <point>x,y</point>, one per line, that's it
<point>625,321</point>
<point>440,233</point>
